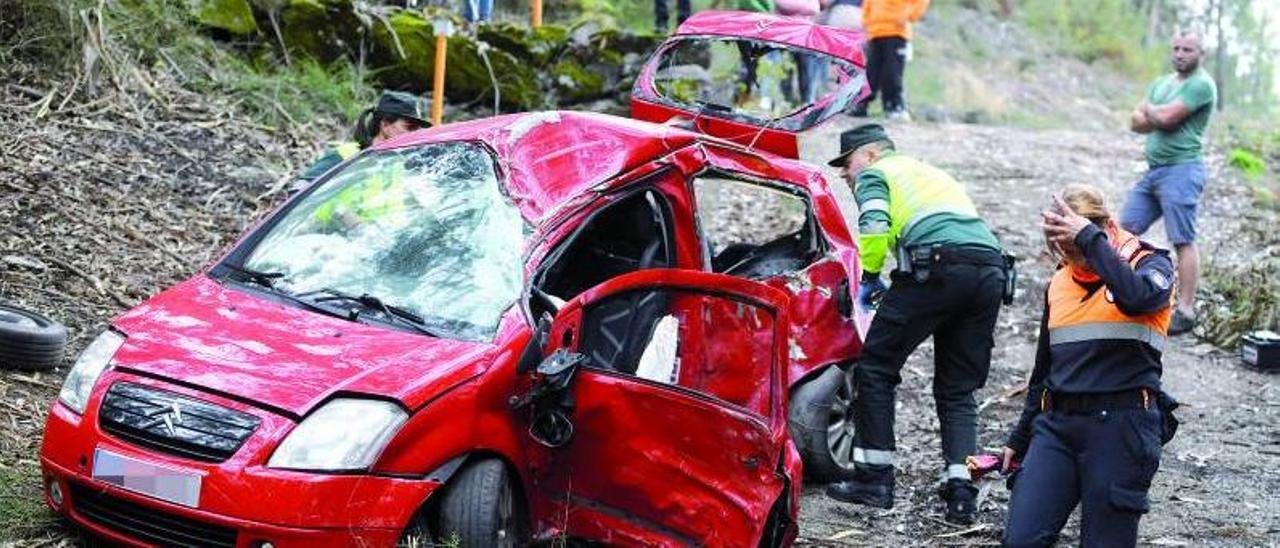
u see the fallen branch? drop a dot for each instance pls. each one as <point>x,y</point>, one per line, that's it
<point>975,529</point>
<point>93,281</point>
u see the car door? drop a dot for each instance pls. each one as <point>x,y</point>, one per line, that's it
<point>756,79</point>
<point>678,412</point>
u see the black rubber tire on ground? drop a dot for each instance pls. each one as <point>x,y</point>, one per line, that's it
<point>816,407</point>
<point>30,341</point>
<point>482,507</point>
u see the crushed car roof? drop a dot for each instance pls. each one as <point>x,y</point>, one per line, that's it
<point>844,44</point>
<point>549,157</point>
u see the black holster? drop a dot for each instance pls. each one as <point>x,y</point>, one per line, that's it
<point>918,262</point>
<point>1010,277</point>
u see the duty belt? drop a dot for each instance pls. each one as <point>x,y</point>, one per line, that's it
<point>1137,398</point>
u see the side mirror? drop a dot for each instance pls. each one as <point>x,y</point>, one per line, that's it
<point>549,398</point>
<point>554,375</point>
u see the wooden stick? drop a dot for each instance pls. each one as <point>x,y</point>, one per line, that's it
<point>537,13</point>
<point>93,281</point>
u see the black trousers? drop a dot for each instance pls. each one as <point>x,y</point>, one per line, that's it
<point>1104,461</point>
<point>661,16</point>
<point>958,307</point>
<point>886,63</point>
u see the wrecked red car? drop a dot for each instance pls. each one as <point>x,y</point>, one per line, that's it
<point>534,327</point>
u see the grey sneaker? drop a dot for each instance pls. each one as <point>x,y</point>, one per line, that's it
<point>1181,323</point>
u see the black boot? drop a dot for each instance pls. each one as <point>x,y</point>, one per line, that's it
<point>870,486</point>
<point>961,498</point>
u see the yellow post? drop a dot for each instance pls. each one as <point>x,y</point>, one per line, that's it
<point>437,84</point>
<point>443,28</point>
<point>537,13</point>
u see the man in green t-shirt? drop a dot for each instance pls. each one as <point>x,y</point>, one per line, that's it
<point>1173,116</point>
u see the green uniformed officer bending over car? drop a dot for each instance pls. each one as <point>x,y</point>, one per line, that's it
<point>396,112</point>
<point>950,279</point>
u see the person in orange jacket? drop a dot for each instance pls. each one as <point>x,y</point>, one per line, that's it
<point>888,23</point>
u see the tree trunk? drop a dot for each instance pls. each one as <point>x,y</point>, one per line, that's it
<point>1220,70</point>
<point>1153,22</point>
<point>1006,8</point>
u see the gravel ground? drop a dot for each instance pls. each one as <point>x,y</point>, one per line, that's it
<point>1218,479</point>
<point>104,203</point>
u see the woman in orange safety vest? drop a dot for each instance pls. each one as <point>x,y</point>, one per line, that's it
<point>1092,428</point>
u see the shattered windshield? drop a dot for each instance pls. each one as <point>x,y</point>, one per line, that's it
<point>425,229</point>
<point>759,82</point>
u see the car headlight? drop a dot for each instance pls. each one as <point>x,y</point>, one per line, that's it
<point>89,366</point>
<point>344,434</point>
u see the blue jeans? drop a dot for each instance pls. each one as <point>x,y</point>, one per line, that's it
<point>477,10</point>
<point>1169,191</point>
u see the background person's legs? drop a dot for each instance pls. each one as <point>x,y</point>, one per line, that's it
<point>1180,188</point>
<point>660,15</point>
<point>1142,205</point>
<point>1188,256</point>
<point>875,64</point>
<point>895,64</point>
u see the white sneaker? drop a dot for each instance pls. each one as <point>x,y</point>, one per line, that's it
<point>900,116</point>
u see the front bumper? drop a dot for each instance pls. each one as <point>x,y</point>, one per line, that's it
<point>240,505</point>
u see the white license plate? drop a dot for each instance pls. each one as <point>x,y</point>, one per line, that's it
<point>150,479</point>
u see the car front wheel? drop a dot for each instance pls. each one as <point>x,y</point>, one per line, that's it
<point>482,508</point>
<point>821,424</point>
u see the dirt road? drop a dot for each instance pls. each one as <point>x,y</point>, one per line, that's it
<point>1218,479</point>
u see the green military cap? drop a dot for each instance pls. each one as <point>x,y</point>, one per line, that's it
<point>851,139</point>
<point>404,105</point>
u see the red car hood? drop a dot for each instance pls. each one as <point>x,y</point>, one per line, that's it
<point>230,341</point>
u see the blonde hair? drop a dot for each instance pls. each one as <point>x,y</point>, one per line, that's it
<point>1088,201</point>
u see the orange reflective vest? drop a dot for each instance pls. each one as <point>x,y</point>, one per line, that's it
<point>1080,310</point>
<point>890,18</point>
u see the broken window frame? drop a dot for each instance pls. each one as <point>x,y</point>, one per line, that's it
<point>819,245</point>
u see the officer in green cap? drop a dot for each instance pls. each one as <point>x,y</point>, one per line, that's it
<point>397,112</point>
<point>949,282</point>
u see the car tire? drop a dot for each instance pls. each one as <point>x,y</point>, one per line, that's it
<point>30,341</point>
<point>482,508</point>
<point>821,424</point>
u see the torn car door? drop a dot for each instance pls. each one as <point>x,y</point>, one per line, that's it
<point>677,412</point>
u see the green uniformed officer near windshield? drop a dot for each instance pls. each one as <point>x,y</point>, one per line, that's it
<point>949,283</point>
<point>382,194</point>
<point>395,113</point>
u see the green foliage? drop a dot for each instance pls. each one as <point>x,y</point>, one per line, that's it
<point>1251,164</point>
<point>168,35</point>
<point>1242,298</point>
<point>295,95</point>
<point>1110,31</point>
<point>234,16</point>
